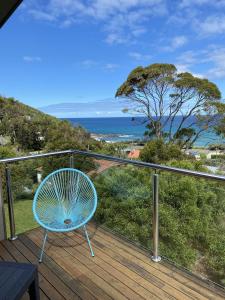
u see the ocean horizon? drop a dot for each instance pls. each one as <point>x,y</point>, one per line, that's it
<point>124,129</point>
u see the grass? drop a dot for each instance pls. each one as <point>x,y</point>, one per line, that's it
<point>24,218</point>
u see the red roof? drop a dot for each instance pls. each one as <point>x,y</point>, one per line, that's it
<point>134,153</point>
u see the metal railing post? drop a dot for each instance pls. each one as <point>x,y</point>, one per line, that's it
<point>71,161</point>
<point>10,204</point>
<point>155,221</point>
<point>3,234</point>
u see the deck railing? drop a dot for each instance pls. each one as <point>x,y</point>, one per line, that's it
<point>72,153</point>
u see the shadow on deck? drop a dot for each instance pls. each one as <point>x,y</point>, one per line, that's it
<point>119,269</point>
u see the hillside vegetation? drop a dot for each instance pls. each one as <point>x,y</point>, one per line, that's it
<point>24,129</point>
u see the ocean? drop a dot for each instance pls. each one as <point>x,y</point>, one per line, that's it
<point>119,129</point>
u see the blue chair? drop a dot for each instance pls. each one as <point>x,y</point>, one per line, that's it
<point>65,200</point>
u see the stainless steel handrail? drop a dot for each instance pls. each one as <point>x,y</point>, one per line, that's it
<point>151,166</point>
<point>21,158</point>
<point>117,159</point>
<point>155,183</point>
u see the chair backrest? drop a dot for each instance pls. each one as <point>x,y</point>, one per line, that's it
<point>65,200</point>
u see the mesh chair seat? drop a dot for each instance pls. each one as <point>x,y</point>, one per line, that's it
<point>53,219</point>
<point>65,200</point>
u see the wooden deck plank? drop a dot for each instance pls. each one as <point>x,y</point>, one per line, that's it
<point>150,296</point>
<point>98,266</point>
<point>75,284</point>
<point>181,296</point>
<point>9,257</point>
<point>168,284</point>
<point>49,286</point>
<point>83,268</point>
<point>128,270</point>
<point>5,254</point>
<point>207,288</point>
<point>16,249</point>
<point>43,269</point>
<point>145,272</point>
<point>159,294</point>
<point>76,272</point>
<point>116,269</point>
<point>133,280</point>
<point>119,270</point>
<point>181,278</point>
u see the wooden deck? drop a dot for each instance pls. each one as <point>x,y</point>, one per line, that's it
<point>119,269</point>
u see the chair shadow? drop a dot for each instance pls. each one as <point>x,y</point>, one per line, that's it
<point>72,238</point>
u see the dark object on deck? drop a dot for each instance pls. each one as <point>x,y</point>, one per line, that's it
<point>16,279</point>
<point>7,7</point>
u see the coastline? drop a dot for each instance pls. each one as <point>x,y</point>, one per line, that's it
<point>112,137</point>
<point>123,129</point>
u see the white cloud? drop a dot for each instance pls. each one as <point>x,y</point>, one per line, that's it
<point>125,26</point>
<point>102,108</point>
<point>212,25</point>
<point>191,3</point>
<point>176,42</point>
<point>89,63</point>
<point>139,31</point>
<point>116,38</point>
<point>205,17</point>
<point>41,15</point>
<point>123,20</point>
<point>212,59</point>
<point>216,73</point>
<point>188,3</point>
<point>188,57</point>
<point>216,55</point>
<point>182,68</point>
<point>32,58</point>
<point>139,56</point>
<point>110,66</point>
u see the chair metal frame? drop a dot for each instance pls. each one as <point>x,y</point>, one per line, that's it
<point>82,224</point>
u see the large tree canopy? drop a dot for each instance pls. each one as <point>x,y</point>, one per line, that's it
<point>220,128</point>
<point>161,94</point>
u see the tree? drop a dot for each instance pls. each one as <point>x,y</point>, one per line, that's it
<point>63,136</point>
<point>22,174</point>
<point>220,128</point>
<point>25,126</point>
<point>157,151</point>
<point>191,210</point>
<point>172,102</point>
<point>6,152</point>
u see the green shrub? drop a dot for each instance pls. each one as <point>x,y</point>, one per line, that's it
<point>191,214</point>
<point>157,151</point>
<point>216,156</point>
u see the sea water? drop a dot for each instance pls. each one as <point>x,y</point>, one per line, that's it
<point>119,129</point>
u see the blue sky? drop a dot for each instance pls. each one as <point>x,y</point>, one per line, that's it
<point>80,51</point>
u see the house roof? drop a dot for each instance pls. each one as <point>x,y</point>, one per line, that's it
<point>134,153</point>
